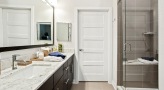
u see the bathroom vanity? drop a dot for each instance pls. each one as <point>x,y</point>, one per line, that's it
<point>62,79</point>
<point>40,75</point>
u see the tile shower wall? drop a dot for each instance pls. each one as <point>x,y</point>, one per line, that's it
<point>142,76</point>
<point>137,23</point>
<point>141,17</point>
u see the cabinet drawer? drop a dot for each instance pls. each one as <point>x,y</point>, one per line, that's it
<point>65,82</point>
<point>66,67</point>
<point>69,85</point>
<point>70,61</point>
<point>58,75</point>
<point>48,85</point>
<point>59,85</point>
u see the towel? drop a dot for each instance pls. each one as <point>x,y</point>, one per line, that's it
<point>57,54</point>
<point>53,59</point>
<point>147,62</point>
<point>132,61</point>
<point>148,58</point>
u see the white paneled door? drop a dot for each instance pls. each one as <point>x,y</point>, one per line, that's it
<point>16,27</point>
<point>93,45</point>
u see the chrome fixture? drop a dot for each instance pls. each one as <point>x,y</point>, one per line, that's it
<point>14,59</point>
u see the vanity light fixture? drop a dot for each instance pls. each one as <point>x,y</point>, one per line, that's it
<point>52,2</point>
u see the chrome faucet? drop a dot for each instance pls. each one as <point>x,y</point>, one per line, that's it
<point>14,59</point>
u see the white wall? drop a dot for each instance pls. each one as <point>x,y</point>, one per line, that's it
<point>161,44</point>
<point>64,12</point>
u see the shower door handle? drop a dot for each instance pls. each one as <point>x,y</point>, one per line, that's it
<point>129,46</point>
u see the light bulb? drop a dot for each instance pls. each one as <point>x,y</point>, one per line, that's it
<point>53,2</point>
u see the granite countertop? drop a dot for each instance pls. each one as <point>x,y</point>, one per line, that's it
<point>8,83</point>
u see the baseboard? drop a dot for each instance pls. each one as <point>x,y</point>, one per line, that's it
<point>114,84</point>
<point>75,82</point>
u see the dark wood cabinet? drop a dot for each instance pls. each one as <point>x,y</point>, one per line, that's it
<point>48,85</point>
<point>58,75</point>
<point>59,85</point>
<point>62,79</point>
<point>68,74</point>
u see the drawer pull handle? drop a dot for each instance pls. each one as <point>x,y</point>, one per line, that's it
<point>67,81</point>
<point>67,68</point>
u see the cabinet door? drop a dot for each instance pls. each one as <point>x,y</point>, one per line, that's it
<point>48,85</point>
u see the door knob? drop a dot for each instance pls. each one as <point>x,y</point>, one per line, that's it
<point>81,49</point>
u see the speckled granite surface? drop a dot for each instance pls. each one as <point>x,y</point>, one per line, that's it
<point>7,82</point>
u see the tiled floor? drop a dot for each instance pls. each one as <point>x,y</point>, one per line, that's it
<point>92,86</point>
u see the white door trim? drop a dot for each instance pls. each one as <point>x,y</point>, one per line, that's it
<point>31,8</point>
<point>110,38</point>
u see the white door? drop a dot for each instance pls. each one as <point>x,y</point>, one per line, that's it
<point>93,45</point>
<point>16,27</point>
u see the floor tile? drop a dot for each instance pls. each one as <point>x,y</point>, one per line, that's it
<point>92,86</point>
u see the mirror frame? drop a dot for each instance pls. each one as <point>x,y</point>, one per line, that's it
<point>4,49</point>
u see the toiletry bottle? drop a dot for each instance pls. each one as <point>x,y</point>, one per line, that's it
<point>55,48</point>
<point>60,47</point>
<point>41,55</point>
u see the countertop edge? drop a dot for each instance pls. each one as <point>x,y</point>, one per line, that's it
<point>50,74</point>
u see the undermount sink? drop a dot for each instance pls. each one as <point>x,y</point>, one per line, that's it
<point>30,72</point>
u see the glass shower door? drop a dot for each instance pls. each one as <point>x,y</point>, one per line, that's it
<point>121,44</point>
<point>140,43</point>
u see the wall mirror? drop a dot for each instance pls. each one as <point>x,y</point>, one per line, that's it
<point>44,31</point>
<point>25,24</point>
<point>63,31</point>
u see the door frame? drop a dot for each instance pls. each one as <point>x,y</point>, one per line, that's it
<point>31,8</point>
<point>110,40</point>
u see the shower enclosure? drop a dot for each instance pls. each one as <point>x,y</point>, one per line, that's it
<point>138,44</point>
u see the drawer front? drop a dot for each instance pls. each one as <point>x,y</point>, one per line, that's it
<point>69,85</point>
<point>71,68</point>
<point>59,85</point>
<point>58,75</point>
<point>70,60</point>
<point>65,69</point>
<point>65,82</point>
<point>48,85</point>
